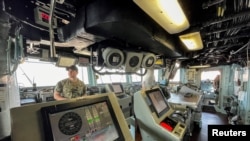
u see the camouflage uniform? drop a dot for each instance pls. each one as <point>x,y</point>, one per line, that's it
<point>69,89</point>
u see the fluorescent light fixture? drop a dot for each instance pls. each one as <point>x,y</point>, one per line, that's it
<point>199,66</point>
<point>167,13</point>
<point>192,41</point>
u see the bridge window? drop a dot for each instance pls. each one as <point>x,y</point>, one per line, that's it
<point>110,78</point>
<point>137,78</point>
<point>209,75</point>
<point>44,73</point>
<point>176,76</point>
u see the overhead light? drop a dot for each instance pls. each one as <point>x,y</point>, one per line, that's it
<point>199,66</point>
<point>167,13</point>
<point>192,40</point>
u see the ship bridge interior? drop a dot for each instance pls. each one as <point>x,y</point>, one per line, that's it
<point>118,37</point>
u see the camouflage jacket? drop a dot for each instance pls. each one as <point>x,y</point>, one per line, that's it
<point>69,89</point>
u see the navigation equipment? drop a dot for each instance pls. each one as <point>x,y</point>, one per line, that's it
<point>92,121</point>
<point>158,101</point>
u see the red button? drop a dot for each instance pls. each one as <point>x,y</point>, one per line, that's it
<point>166,126</point>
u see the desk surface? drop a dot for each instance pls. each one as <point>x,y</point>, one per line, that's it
<point>192,101</point>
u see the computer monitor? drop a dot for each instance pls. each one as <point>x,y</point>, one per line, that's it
<point>117,88</point>
<point>93,120</point>
<point>158,101</point>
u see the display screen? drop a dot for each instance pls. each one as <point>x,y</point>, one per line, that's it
<point>91,122</point>
<point>158,101</point>
<point>117,88</point>
<point>45,17</point>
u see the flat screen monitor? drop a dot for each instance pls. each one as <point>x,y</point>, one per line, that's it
<point>158,101</point>
<point>92,120</point>
<point>117,88</point>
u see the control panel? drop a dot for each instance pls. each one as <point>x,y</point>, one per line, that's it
<point>36,13</point>
<point>91,118</point>
<point>175,127</point>
<point>154,113</point>
<point>42,17</point>
<point>85,123</point>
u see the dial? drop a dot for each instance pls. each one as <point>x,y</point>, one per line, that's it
<point>134,61</point>
<point>70,123</point>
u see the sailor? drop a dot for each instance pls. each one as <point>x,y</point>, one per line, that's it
<point>71,87</point>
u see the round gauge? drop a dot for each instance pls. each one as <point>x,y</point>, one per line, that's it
<point>150,61</point>
<point>70,123</point>
<point>114,59</point>
<point>134,61</point>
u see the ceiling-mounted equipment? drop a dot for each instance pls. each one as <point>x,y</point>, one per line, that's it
<point>133,61</point>
<point>83,61</point>
<point>192,41</point>
<point>66,61</point>
<point>160,63</point>
<point>113,58</point>
<point>167,13</point>
<point>42,17</point>
<point>148,60</point>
